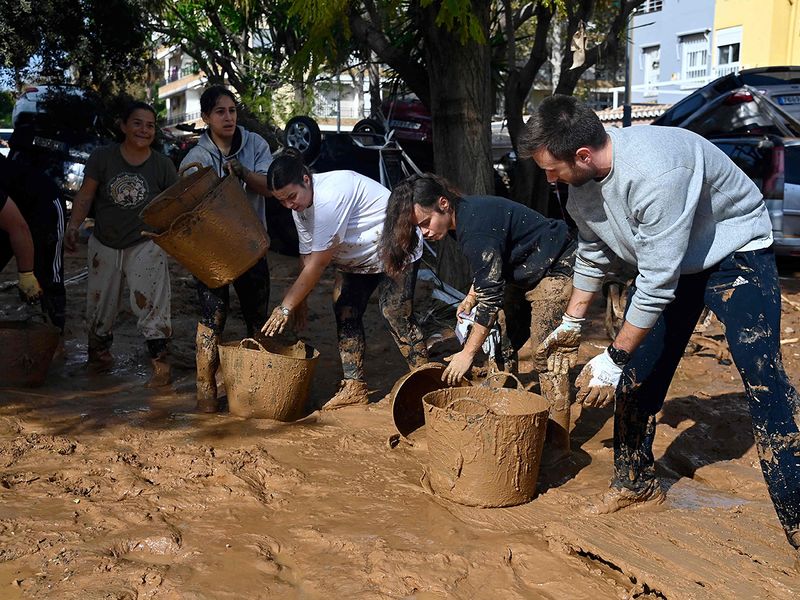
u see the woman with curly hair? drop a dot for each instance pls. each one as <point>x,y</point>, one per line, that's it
<point>521,262</point>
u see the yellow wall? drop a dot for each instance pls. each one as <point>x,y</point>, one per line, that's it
<point>770,30</point>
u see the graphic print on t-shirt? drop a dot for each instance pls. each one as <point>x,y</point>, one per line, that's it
<point>128,190</point>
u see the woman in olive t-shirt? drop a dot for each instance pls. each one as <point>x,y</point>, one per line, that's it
<point>120,179</point>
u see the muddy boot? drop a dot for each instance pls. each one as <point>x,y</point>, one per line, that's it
<point>162,373</point>
<point>555,389</point>
<point>100,359</point>
<point>351,392</point>
<point>617,498</point>
<point>207,357</point>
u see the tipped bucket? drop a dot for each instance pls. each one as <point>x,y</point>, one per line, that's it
<point>26,350</point>
<point>181,197</point>
<point>484,444</point>
<point>408,391</point>
<point>267,380</point>
<point>218,240</point>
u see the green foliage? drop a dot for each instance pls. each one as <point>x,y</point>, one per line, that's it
<point>458,16</point>
<point>6,107</point>
<point>98,44</point>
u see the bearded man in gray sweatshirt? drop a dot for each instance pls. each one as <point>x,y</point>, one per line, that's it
<point>673,205</point>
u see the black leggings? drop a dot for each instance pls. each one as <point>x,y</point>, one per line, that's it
<point>252,288</point>
<point>351,294</point>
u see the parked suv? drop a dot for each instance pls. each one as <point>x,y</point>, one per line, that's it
<point>760,136</point>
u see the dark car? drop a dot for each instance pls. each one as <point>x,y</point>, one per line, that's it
<point>759,135</point>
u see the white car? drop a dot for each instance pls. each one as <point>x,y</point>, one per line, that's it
<point>27,104</point>
<point>5,135</point>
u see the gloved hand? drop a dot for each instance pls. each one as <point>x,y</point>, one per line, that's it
<point>559,350</point>
<point>458,365</point>
<point>466,306</point>
<point>277,321</point>
<point>597,382</point>
<point>237,168</point>
<point>29,289</point>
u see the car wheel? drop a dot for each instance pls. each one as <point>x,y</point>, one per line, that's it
<point>369,126</point>
<point>303,134</point>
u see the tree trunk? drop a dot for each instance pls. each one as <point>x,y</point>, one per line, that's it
<point>374,69</point>
<point>460,84</point>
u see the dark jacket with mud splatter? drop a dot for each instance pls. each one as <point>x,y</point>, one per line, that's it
<point>505,241</point>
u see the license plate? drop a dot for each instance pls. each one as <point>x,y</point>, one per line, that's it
<point>49,144</point>
<point>794,99</point>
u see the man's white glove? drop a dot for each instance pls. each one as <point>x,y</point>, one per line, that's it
<point>597,382</point>
<point>559,350</point>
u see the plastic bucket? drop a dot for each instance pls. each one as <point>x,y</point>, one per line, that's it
<point>26,350</point>
<point>180,197</point>
<point>269,380</point>
<point>221,238</point>
<point>484,444</point>
<point>407,392</point>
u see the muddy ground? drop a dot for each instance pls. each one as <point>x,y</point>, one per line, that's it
<point>111,490</point>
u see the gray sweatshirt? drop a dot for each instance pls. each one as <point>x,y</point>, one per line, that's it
<point>672,204</point>
<point>249,148</point>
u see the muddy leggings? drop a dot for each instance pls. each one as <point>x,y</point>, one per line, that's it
<point>744,294</point>
<point>252,288</point>
<point>351,294</point>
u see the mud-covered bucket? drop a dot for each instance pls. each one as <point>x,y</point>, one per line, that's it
<point>484,444</point>
<point>267,380</point>
<point>407,393</point>
<point>26,350</point>
<point>218,240</point>
<point>181,197</point>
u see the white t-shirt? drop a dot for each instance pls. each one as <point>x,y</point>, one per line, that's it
<point>347,214</point>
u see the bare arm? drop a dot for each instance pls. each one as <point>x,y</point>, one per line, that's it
<point>313,266</point>
<point>81,204</point>
<point>579,303</point>
<point>19,235</point>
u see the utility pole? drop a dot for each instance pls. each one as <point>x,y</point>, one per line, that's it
<point>626,107</point>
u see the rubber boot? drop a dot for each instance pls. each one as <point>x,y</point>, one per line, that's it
<point>162,371</point>
<point>207,358</point>
<point>555,389</point>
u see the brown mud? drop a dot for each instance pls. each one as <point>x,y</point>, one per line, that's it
<point>112,490</point>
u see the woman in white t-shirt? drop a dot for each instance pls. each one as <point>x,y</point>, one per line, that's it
<point>339,218</point>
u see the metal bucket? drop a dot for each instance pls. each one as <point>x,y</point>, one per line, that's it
<point>269,380</point>
<point>407,392</point>
<point>221,238</point>
<point>180,197</point>
<point>484,444</point>
<point>26,350</point>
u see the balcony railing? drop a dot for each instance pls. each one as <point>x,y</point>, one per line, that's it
<point>182,118</point>
<point>727,69</point>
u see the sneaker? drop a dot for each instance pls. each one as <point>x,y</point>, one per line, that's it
<point>351,392</point>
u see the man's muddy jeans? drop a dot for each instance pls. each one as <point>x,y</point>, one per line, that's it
<point>351,294</point>
<point>744,294</point>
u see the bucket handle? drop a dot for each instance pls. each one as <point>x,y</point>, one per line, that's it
<point>195,165</point>
<point>255,341</point>
<point>506,373</point>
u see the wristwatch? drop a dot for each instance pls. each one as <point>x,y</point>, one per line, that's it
<point>284,310</point>
<point>620,357</point>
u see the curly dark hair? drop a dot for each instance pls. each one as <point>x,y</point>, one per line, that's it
<point>561,125</point>
<point>399,231</point>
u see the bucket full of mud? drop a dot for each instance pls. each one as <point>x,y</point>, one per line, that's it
<point>407,393</point>
<point>484,444</point>
<point>267,380</point>
<point>181,197</point>
<point>219,239</point>
<point>26,350</point>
